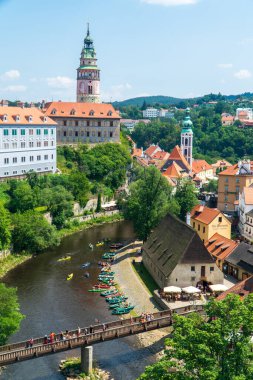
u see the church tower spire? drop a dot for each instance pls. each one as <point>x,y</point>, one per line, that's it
<point>88,73</point>
<point>187,137</point>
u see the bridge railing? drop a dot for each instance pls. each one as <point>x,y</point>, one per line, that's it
<point>74,333</point>
<point>162,319</point>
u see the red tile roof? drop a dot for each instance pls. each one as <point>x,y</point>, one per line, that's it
<point>204,214</point>
<point>151,150</point>
<point>220,247</point>
<point>81,110</point>
<point>242,289</point>
<point>176,154</point>
<point>200,166</point>
<point>20,116</point>
<point>173,171</point>
<point>161,155</point>
<point>232,170</point>
<point>137,152</point>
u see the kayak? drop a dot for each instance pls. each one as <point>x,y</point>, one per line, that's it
<point>100,243</point>
<point>108,276</point>
<point>122,310</point>
<point>96,290</point>
<point>117,305</point>
<point>66,258</point>
<point>85,265</point>
<point>107,273</point>
<point>103,286</point>
<point>108,282</point>
<point>109,293</point>
<point>117,299</point>
<point>70,276</point>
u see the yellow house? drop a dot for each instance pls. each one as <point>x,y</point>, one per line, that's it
<point>208,221</point>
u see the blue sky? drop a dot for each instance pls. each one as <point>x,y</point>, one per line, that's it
<point>179,48</point>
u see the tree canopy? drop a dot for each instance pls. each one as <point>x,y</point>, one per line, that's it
<point>10,316</point>
<point>216,349</point>
<point>5,228</point>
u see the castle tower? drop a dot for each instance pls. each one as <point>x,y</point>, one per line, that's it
<point>88,74</point>
<point>187,138</point>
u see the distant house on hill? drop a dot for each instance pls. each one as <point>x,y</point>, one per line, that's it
<point>175,255</point>
<point>202,170</point>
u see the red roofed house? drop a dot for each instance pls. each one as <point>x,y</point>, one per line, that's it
<point>208,221</point>
<point>202,170</point>
<point>152,149</point>
<point>84,122</point>
<point>220,165</point>
<point>242,289</point>
<point>227,119</point>
<point>220,247</point>
<point>245,206</point>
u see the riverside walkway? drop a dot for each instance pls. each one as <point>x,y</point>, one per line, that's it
<point>90,335</point>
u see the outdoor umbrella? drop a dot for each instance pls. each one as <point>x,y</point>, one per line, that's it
<point>191,290</point>
<point>172,289</point>
<point>218,288</point>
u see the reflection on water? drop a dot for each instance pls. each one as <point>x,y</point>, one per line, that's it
<point>51,303</point>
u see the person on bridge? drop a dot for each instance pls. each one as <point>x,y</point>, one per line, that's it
<point>52,337</point>
<point>45,341</point>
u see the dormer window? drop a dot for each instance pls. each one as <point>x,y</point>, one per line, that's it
<point>45,119</point>
<point>5,118</point>
<point>91,113</point>
<point>73,112</point>
<point>53,112</point>
<point>109,113</point>
<point>17,118</point>
<point>30,118</point>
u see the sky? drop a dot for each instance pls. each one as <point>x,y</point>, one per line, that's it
<point>180,48</point>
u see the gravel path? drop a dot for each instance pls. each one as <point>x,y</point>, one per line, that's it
<point>131,284</point>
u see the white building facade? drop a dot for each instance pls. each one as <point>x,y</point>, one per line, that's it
<point>27,142</point>
<point>150,113</point>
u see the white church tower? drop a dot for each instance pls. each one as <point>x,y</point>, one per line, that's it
<point>187,138</point>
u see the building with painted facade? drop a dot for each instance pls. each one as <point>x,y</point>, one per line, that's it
<point>27,142</point>
<point>88,74</point>
<point>84,122</point>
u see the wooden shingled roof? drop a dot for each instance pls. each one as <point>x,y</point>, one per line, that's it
<point>173,242</point>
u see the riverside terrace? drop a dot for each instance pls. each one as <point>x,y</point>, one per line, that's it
<point>17,352</point>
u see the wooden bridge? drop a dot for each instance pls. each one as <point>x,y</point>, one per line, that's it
<point>88,336</point>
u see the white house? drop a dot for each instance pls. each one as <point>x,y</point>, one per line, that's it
<point>245,206</point>
<point>150,113</point>
<point>27,142</point>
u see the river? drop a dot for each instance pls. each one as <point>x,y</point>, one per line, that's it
<point>50,303</point>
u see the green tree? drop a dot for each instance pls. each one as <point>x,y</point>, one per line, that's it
<point>32,233</point>
<point>79,186</point>
<point>22,197</point>
<point>10,316</point>
<point>98,209</point>
<point>60,205</point>
<point>211,186</point>
<point>217,349</point>
<point>5,228</point>
<point>186,197</point>
<point>149,201</point>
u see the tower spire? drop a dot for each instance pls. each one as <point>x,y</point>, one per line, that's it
<point>88,29</point>
<point>187,137</point>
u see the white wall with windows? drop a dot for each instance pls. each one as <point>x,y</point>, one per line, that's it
<point>27,147</point>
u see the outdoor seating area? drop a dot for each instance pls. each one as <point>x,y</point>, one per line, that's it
<point>190,293</point>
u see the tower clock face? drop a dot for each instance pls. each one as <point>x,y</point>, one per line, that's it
<point>81,87</point>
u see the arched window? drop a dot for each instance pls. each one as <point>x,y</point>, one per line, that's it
<point>53,112</point>
<point>90,90</point>
<point>17,118</point>
<point>185,152</point>
<point>73,111</point>
<point>5,118</point>
<point>109,113</point>
<point>30,118</point>
<point>186,141</point>
<point>91,113</point>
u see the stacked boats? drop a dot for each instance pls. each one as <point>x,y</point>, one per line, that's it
<point>117,301</point>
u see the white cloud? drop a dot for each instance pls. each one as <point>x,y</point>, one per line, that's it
<point>225,65</point>
<point>60,82</point>
<point>11,74</point>
<point>243,74</point>
<point>170,3</point>
<point>117,92</point>
<point>16,88</point>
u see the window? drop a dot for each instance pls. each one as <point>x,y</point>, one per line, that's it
<point>22,159</point>
<point>70,133</point>
<point>88,123</point>
<point>31,144</point>
<point>31,158</point>
<point>226,180</point>
<point>22,144</point>
<point>14,145</point>
<point>14,160</point>
<point>46,157</point>
<point>226,188</point>
<point>211,269</point>
<point>193,225</point>
<point>6,132</point>
<point>237,180</point>
<point>52,143</point>
<point>38,158</point>
<point>53,112</point>
<point>193,279</point>
<point>15,172</point>
<point>22,132</point>
<point>23,171</point>
<point>38,144</point>
<point>64,133</point>
<point>30,119</point>
<point>39,169</point>
<point>38,131</point>
<point>6,161</point>
<point>76,123</point>
<point>6,173</point>
<point>99,134</point>
<point>5,118</point>
<point>52,131</point>
<point>237,189</point>
<point>111,123</point>
<point>65,122</point>
<point>52,156</point>
<point>226,198</point>
<point>109,113</point>
<point>30,132</point>
<point>99,123</point>
<point>14,132</point>
<point>45,131</point>
<point>89,90</point>
<point>45,143</point>
<point>198,227</point>
<point>193,269</point>
<point>88,134</point>
<point>220,219</point>
<point>111,134</point>
<point>76,133</point>
<point>6,145</point>
<point>204,230</point>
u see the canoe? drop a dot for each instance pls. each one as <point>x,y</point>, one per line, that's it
<point>117,300</point>
<point>70,276</point>
<point>113,296</point>
<point>100,243</point>
<point>122,310</point>
<point>102,286</point>
<point>108,282</point>
<point>108,276</point>
<point>109,293</point>
<point>97,290</point>
<point>85,265</point>
<point>66,258</point>
<point>117,305</point>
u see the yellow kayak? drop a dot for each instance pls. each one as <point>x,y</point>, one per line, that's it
<point>65,258</point>
<point>99,244</point>
<point>70,276</point>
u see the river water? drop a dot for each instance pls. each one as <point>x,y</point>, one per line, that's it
<point>50,303</point>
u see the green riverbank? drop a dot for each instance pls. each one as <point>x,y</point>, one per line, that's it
<point>13,260</point>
